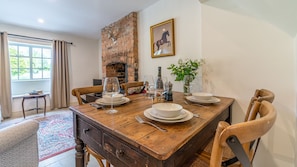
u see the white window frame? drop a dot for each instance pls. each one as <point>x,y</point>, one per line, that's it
<point>24,86</point>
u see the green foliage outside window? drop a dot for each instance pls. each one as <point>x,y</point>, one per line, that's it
<point>29,62</point>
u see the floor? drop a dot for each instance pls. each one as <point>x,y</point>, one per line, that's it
<point>66,159</point>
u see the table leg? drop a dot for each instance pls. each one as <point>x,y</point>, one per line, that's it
<point>37,105</point>
<point>23,107</point>
<point>44,110</point>
<point>79,155</point>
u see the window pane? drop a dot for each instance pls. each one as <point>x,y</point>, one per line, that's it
<point>13,50</point>
<point>47,64</point>
<point>24,73</point>
<point>46,74</point>
<point>47,53</point>
<point>36,63</point>
<point>13,62</point>
<point>36,52</point>
<point>37,73</point>
<point>24,62</point>
<point>14,74</point>
<point>23,51</point>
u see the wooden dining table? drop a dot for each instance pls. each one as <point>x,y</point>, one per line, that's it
<point>124,142</point>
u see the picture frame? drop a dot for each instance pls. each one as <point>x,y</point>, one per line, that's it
<point>162,39</point>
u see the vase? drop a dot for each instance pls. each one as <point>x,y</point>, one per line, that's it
<point>187,86</point>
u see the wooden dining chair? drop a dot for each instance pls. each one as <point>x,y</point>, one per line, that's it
<point>240,137</point>
<point>228,156</point>
<point>79,93</point>
<point>259,95</point>
<point>137,87</point>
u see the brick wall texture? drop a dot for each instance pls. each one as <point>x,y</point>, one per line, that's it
<point>120,45</point>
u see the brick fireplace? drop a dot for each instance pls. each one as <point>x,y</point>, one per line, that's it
<point>120,46</point>
<point>117,70</point>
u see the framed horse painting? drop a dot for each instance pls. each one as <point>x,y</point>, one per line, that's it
<point>162,39</point>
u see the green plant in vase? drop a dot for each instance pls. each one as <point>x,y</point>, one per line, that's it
<point>186,70</point>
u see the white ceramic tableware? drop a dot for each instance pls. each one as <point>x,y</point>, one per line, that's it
<point>210,101</point>
<point>167,109</point>
<point>124,100</point>
<point>202,95</point>
<point>116,98</point>
<point>188,117</point>
<point>155,114</point>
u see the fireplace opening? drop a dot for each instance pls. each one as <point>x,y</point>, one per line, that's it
<point>117,70</point>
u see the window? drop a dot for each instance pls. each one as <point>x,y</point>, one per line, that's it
<point>29,62</point>
<point>30,65</point>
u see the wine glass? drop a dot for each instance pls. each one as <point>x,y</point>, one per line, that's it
<point>149,85</point>
<point>111,87</point>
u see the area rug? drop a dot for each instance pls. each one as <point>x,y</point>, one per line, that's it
<point>55,134</point>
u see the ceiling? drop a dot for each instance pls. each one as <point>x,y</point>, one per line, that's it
<point>280,13</point>
<point>76,17</point>
<point>87,17</point>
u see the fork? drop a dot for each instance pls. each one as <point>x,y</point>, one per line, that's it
<point>196,115</point>
<point>194,104</point>
<point>97,106</point>
<point>140,120</point>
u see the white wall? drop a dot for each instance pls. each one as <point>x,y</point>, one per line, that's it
<point>245,54</point>
<point>242,54</point>
<point>295,53</point>
<point>187,18</point>
<point>84,60</point>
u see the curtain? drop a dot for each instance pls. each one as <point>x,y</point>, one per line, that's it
<point>5,87</point>
<point>60,89</point>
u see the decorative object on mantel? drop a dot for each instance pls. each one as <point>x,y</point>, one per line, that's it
<point>162,39</point>
<point>113,34</point>
<point>186,71</point>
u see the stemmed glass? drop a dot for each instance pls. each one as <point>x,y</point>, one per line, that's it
<point>149,85</point>
<point>111,87</point>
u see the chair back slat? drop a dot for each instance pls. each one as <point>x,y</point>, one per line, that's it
<point>260,95</point>
<point>126,86</point>
<point>78,92</point>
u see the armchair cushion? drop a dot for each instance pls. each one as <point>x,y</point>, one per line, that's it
<point>18,145</point>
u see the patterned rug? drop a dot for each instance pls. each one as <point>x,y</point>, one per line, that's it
<point>55,135</point>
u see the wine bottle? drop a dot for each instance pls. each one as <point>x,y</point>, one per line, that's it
<point>159,82</point>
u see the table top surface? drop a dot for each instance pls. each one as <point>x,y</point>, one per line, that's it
<point>35,95</point>
<point>158,144</point>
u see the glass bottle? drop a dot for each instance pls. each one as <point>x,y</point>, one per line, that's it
<point>159,82</point>
<point>159,86</point>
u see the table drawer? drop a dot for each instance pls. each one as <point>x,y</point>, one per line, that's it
<point>126,155</point>
<point>89,134</point>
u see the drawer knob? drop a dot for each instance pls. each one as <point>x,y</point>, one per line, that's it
<point>85,130</point>
<point>119,153</point>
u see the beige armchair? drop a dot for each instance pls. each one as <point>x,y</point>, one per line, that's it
<point>19,145</point>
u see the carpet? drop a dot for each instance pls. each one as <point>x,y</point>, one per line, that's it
<point>55,134</point>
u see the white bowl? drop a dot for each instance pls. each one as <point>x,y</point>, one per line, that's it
<point>167,109</point>
<point>115,98</point>
<point>202,95</point>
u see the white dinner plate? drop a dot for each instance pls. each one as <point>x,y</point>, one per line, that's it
<point>155,114</point>
<point>101,101</point>
<point>188,117</point>
<point>195,100</point>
